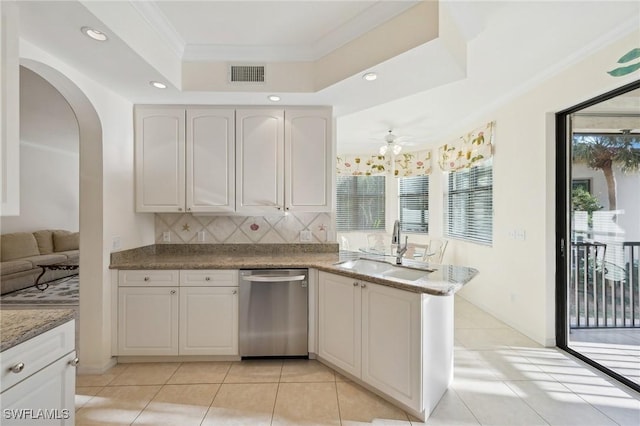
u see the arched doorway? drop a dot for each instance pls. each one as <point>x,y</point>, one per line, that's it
<point>94,306</point>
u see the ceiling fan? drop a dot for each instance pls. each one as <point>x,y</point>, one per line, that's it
<point>392,144</point>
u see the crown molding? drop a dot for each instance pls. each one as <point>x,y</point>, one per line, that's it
<point>151,13</point>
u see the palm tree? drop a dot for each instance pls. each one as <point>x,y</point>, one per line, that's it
<point>603,151</point>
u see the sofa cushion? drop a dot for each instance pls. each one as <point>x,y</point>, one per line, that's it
<point>45,241</point>
<point>71,254</point>
<point>13,266</point>
<point>46,259</point>
<point>18,245</point>
<point>65,240</point>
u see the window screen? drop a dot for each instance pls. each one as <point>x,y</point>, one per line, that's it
<point>413,196</point>
<point>469,204</point>
<point>360,203</point>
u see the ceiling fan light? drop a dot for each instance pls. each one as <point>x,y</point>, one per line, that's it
<point>397,149</point>
<point>383,149</point>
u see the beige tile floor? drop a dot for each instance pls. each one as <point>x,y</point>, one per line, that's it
<point>500,378</point>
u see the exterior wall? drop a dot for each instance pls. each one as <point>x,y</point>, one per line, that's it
<point>628,196</point>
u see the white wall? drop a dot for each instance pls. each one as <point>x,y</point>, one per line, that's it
<point>49,159</point>
<point>628,196</point>
<point>106,194</point>
<point>517,278</point>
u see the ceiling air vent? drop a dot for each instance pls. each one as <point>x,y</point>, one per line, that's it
<point>246,73</point>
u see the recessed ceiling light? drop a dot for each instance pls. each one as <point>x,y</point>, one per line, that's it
<point>94,34</point>
<point>370,76</point>
<point>158,85</point>
<point>274,98</point>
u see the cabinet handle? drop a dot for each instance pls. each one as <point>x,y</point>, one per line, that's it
<point>207,278</point>
<point>74,362</point>
<point>287,208</point>
<point>355,283</point>
<point>279,208</point>
<point>146,278</point>
<point>234,292</point>
<point>179,209</point>
<point>17,368</point>
<point>363,285</point>
<point>189,209</point>
<point>172,292</point>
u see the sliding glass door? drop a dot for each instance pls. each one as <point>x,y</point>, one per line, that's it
<point>598,171</point>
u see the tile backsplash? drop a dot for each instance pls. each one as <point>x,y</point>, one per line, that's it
<point>184,228</point>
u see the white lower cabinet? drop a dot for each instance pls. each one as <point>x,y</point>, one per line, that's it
<point>148,321</point>
<point>39,378</point>
<point>397,342</point>
<point>208,321</point>
<point>391,342</point>
<point>339,322</point>
<point>198,319</point>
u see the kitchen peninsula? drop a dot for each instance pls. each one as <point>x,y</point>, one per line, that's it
<point>390,332</point>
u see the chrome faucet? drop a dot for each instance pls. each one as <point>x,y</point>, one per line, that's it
<point>395,239</point>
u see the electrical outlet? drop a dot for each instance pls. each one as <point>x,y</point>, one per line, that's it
<point>305,236</point>
<point>201,236</point>
<point>521,235</point>
<point>166,236</point>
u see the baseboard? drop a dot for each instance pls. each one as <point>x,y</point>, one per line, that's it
<point>88,369</point>
<point>130,359</point>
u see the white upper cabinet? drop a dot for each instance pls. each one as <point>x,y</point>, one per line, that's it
<point>160,166</point>
<point>249,161</point>
<point>260,160</point>
<point>185,159</point>
<point>210,160</point>
<point>308,155</point>
<point>284,160</point>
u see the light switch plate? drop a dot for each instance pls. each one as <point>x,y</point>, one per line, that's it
<point>305,236</point>
<point>201,236</point>
<point>115,243</point>
<point>166,236</point>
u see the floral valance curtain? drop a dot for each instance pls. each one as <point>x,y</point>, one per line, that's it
<point>406,164</point>
<point>469,150</point>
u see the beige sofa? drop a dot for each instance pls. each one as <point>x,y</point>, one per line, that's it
<point>21,252</point>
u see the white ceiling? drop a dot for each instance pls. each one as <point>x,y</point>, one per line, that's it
<point>510,45</point>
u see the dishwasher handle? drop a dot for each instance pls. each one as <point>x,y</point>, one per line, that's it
<point>273,278</point>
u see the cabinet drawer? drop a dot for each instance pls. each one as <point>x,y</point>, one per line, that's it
<point>209,278</point>
<point>147,278</point>
<point>36,353</point>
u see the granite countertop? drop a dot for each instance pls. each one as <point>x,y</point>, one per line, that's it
<point>444,280</point>
<point>19,325</point>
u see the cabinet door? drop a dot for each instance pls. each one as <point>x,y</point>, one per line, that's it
<point>309,160</point>
<point>208,321</point>
<point>259,160</point>
<point>210,151</point>
<point>52,389</point>
<point>339,325</point>
<point>391,343</point>
<point>159,148</point>
<point>148,321</point>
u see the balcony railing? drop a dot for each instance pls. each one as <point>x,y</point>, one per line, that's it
<point>604,288</point>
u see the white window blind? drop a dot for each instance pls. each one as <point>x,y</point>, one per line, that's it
<point>413,196</point>
<point>360,203</point>
<point>469,204</point>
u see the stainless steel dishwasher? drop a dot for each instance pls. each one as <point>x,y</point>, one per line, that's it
<point>274,313</point>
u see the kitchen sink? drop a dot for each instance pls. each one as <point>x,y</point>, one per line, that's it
<point>405,273</point>
<point>378,268</point>
<point>365,266</point>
